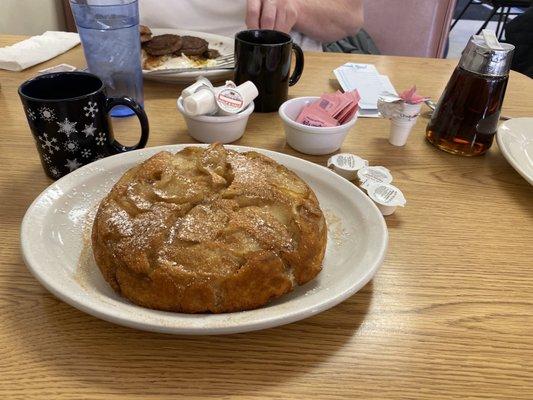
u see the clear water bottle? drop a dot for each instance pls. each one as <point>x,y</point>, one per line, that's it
<point>109,33</point>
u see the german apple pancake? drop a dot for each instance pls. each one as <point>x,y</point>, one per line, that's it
<point>208,230</point>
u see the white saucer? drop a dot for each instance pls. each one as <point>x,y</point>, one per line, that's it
<point>515,139</point>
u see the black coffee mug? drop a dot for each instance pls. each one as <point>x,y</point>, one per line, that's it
<point>264,57</point>
<point>68,116</point>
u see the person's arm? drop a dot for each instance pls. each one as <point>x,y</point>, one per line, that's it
<point>325,21</point>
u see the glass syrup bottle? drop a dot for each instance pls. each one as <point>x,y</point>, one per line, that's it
<point>466,117</point>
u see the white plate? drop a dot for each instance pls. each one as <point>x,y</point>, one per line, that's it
<point>55,247</point>
<point>223,44</point>
<point>515,139</point>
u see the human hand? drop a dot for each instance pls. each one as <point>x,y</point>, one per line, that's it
<point>280,15</point>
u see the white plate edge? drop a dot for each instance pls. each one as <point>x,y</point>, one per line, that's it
<point>507,153</point>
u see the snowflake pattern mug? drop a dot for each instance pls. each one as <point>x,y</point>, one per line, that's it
<point>68,116</point>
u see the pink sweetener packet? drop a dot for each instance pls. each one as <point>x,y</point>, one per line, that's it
<point>341,102</point>
<point>348,113</point>
<point>354,95</point>
<point>411,97</point>
<point>313,115</point>
<point>345,112</point>
<point>329,104</point>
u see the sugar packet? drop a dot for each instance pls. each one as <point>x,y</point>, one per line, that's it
<point>332,109</point>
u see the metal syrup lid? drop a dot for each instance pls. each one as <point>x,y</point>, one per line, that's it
<point>484,55</point>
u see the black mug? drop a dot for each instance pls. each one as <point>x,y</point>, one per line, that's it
<point>264,57</point>
<point>68,116</point>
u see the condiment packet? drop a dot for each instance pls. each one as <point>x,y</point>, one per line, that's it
<point>331,109</point>
<point>411,97</point>
<point>347,165</point>
<point>312,115</point>
<point>333,103</point>
<point>348,113</point>
<point>386,196</point>
<point>369,175</point>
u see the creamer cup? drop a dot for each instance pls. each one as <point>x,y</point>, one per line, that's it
<point>378,174</point>
<point>233,99</point>
<point>386,196</point>
<point>200,83</point>
<point>402,124</point>
<point>347,165</point>
<point>202,102</point>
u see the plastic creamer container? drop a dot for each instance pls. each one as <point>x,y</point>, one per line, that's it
<point>370,175</point>
<point>386,196</point>
<point>347,165</point>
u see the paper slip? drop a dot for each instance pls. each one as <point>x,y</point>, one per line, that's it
<point>368,82</point>
<point>362,67</point>
<point>374,113</point>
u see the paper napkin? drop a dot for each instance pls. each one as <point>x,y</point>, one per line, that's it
<point>36,49</point>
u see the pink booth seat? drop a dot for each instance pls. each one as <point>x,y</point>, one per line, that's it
<point>417,28</point>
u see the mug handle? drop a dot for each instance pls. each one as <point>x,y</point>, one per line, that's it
<point>143,119</point>
<point>299,67</point>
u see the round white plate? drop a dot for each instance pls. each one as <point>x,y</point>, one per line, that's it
<point>515,139</point>
<point>223,44</point>
<point>56,248</point>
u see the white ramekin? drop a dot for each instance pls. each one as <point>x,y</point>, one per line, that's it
<point>311,139</point>
<point>216,128</point>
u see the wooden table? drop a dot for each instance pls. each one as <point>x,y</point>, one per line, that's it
<point>449,315</point>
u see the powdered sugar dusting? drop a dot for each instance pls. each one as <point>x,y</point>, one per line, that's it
<point>120,220</point>
<point>336,229</point>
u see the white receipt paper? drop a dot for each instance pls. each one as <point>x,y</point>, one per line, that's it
<point>368,82</point>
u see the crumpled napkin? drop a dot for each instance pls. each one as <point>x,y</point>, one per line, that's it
<point>37,49</point>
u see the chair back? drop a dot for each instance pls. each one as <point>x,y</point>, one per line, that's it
<point>417,28</point>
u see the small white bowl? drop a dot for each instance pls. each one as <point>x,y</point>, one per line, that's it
<point>311,139</point>
<point>216,128</point>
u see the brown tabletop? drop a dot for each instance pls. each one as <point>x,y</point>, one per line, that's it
<point>448,315</point>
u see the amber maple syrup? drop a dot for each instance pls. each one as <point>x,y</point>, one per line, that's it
<point>466,118</point>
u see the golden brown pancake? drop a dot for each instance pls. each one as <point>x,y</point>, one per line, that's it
<point>208,230</point>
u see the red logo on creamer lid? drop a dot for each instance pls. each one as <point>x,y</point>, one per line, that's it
<point>229,98</point>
